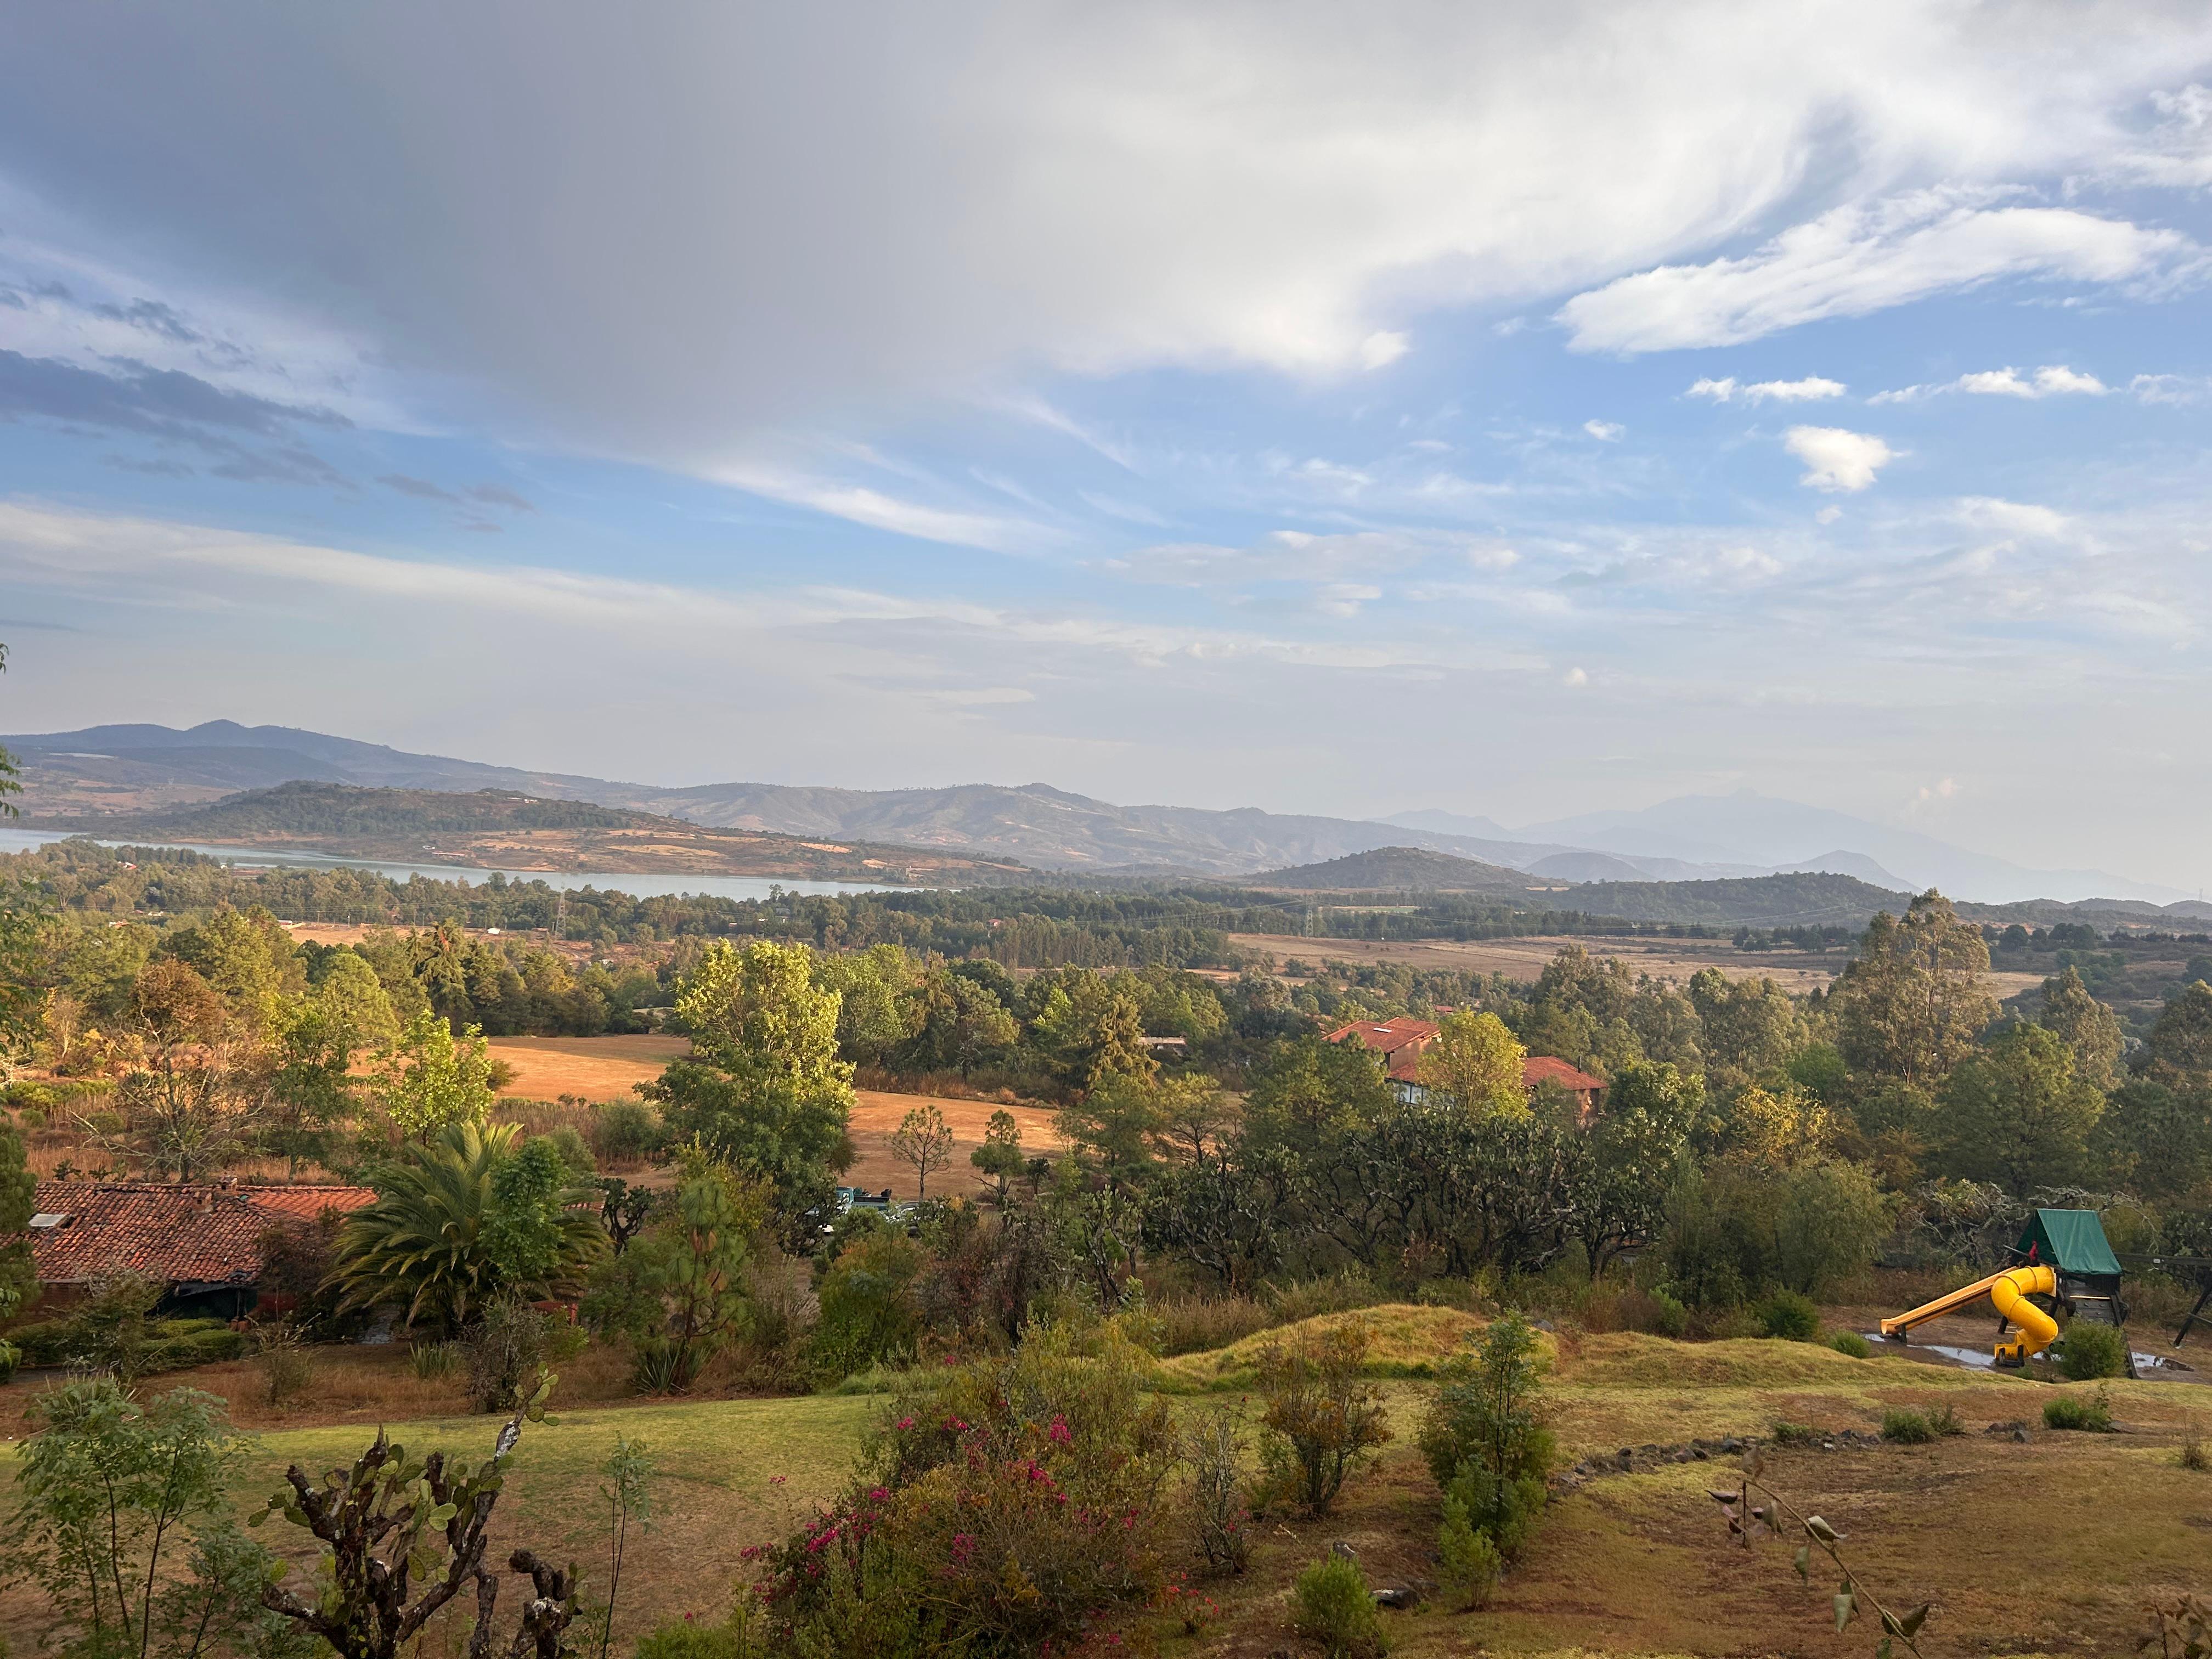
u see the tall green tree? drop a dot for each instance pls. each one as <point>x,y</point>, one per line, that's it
<point>1090,1028</point>
<point>197,1098</point>
<point>431,1081</point>
<point>2180,1040</point>
<point>1475,1062</point>
<point>1911,1004</point>
<point>2086,1025</point>
<point>874,1014</point>
<point>2156,1142</point>
<point>1749,1028</point>
<point>681,1290</point>
<point>956,1024</point>
<point>2016,1113</point>
<point>764,1089</point>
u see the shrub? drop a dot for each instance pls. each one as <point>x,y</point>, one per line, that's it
<point>1483,1438</point>
<point>868,1311</point>
<point>432,1360</point>
<point>1193,1325</point>
<point>2070,1411</point>
<point>626,1133</point>
<point>1944,1419</point>
<point>287,1365</point>
<point>1789,1317</point>
<point>510,1345</point>
<point>575,1155</point>
<point>1852,1343</point>
<point>1321,1419</point>
<point>998,1508</point>
<point>1334,1608</point>
<point>2093,1351</point>
<point>1793,1434</point>
<point>2193,1454</point>
<point>1213,1445</point>
<point>1907,1428</point>
<point>1671,1319</point>
<point>1468,1564</point>
<point>735,1637</point>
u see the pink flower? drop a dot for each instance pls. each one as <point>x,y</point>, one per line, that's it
<point>906,1422</point>
<point>777,1479</point>
<point>1059,1431</point>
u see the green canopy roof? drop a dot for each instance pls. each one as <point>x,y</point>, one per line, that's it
<point>2072,1241</point>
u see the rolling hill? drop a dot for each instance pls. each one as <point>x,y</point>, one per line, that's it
<point>1397,870</point>
<point>506,829</point>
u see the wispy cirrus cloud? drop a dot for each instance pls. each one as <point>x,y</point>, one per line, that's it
<point>1863,257</point>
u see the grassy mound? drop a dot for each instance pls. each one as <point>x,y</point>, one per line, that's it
<point>1408,1340</point>
<point>1629,1359</point>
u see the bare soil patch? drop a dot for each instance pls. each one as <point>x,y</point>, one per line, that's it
<point>877,1115</point>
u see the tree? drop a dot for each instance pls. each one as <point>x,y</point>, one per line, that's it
<point>629,1471</point>
<point>2016,1113</point>
<point>433,1081</point>
<point>2086,1025</point>
<point>1749,1028</point>
<point>1911,1004</point>
<point>249,960</point>
<point>956,1024</point>
<point>1000,1157</point>
<point>1484,1436</point>
<point>390,1521</point>
<point>196,1100</point>
<point>319,1037</point>
<point>18,1201</point>
<point>923,1141</point>
<point>874,1015</point>
<point>680,1291</point>
<point>2180,1040</point>
<point>1116,1122</point>
<point>109,1492</point>
<point>2156,1142</point>
<point>1626,1160</point>
<point>422,1245</point>
<point>1090,1028</point>
<point>1476,1062</point>
<point>1321,1419</point>
<point>764,1090</point>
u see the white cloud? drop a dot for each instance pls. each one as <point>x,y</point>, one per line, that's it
<point>609,252</point>
<point>1828,515</point>
<point>2013,518</point>
<point>872,507</point>
<point>1836,458</point>
<point>1606,432</point>
<point>1575,677</point>
<point>1859,259</point>
<point>1382,348</point>
<point>2166,388</point>
<point>1810,389</point>
<point>2051,380</point>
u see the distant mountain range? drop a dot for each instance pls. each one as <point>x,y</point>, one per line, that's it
<point>1761,832</point>
<point>110,771</point>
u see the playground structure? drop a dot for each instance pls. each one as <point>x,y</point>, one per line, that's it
<point>2063,1256</point>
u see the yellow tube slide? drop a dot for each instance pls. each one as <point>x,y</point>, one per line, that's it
<point>2009,1292</point>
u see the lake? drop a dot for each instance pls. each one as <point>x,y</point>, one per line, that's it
<point>22,840</point>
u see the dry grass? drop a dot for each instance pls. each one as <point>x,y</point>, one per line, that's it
<point>2047,1547</point>
<point>595,1068</point>
<point>877,1115</point>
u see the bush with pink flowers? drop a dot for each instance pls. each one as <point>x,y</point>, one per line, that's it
<point>999,1507</point>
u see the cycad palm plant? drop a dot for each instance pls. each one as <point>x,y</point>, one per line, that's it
<point>424,1246</point>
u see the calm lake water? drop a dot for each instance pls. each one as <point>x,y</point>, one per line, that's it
<point>19,840</point>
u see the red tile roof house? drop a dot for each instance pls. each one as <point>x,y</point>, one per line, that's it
<point>203,1242</point>
<point>1401,1042</point>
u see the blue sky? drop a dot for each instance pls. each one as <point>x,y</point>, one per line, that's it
<point>1522,410</point>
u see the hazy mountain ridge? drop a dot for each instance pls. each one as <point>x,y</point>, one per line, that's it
<point>119,769</point>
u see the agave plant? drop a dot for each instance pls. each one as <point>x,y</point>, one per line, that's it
<point>427,1244</point>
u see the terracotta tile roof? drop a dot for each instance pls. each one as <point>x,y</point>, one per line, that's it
<point>177,1235</point>
<point>1543,1068</point>
<point>1389,1035</point>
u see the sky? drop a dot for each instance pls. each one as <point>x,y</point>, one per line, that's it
<point>1519,410</point>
